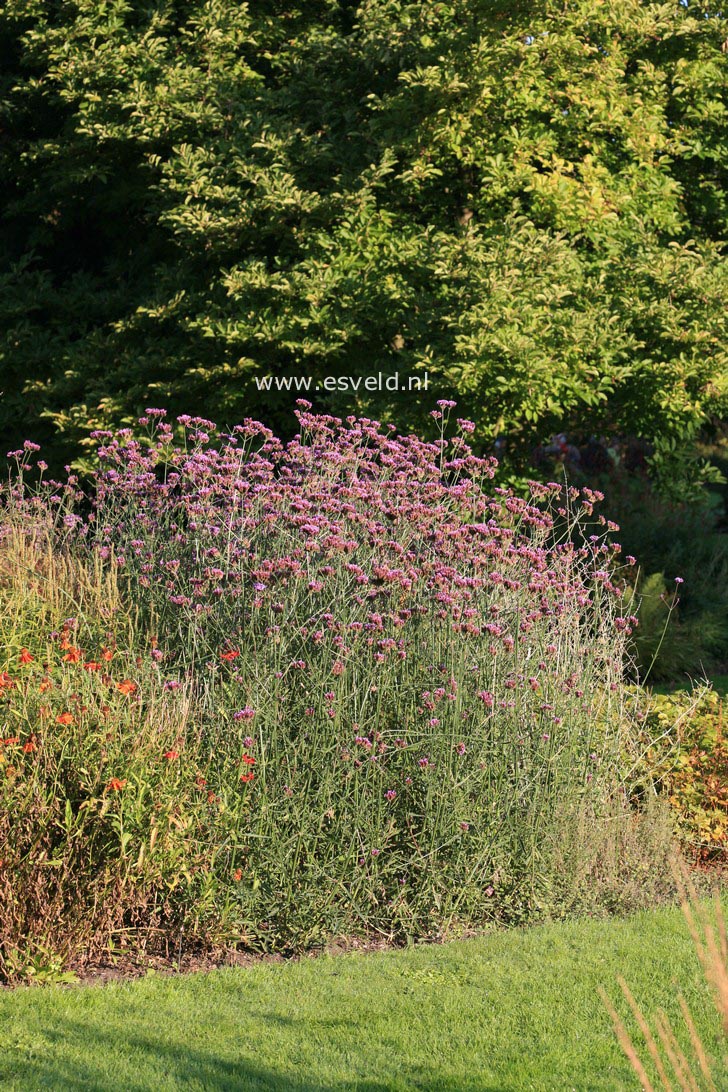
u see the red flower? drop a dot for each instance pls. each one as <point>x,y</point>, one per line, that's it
<point>248,760</point>
<point>170,755</point>
<point>30,746</point>
<point>25,657</point>
<point>92,665</point>
<point>245,777</point>
<point>231,655</point>
<point>200,782</point>
<point>116,784</point>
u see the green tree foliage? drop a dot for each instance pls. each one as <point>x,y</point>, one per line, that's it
<point>524,200</point>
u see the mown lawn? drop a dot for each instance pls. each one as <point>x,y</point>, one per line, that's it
<point>516,1010</point>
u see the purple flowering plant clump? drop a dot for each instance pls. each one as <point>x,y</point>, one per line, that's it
<point>395,676</point>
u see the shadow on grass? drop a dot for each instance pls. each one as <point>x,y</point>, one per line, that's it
<point>173,1065</point>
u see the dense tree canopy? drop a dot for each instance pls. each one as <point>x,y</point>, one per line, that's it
<point>525,200</point>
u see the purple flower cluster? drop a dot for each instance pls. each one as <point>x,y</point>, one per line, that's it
<point>358,575</point>
<point>396,515</point>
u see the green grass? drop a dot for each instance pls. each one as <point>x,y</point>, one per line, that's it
<point>516,1010</point>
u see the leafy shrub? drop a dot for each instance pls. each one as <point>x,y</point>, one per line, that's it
<point>339,685</point>
<point>685,756</point>
<point>198,196</point>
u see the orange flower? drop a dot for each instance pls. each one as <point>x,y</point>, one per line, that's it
<point>25,657</point>
<point>170,755</point>
<point>126,687</point>
<point>238,874</point>
<point>6,683</point>
<point>116,784</point>
<point>73,656</point>
<point>248,760</point>
<point>107,654</point>
<point>231,655</point>
<point>245,777</point>
<point>65,719</point>
<point>92,665</point>
<point>45,684</point>
<point>10,741</point>
<point>30,746</point>
<point>200,782</point>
